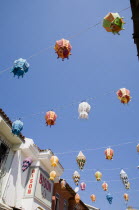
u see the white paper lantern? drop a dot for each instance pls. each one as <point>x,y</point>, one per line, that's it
<point>84,109</point>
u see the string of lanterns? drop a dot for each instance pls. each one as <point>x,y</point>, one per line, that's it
<point>112,22</point>
<point>83,109</point>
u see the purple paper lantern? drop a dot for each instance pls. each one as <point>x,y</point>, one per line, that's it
<point>82,186</point>
<point>26,163</point>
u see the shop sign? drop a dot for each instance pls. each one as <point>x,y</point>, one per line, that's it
<point>44,188</point>
<point>31,182</point>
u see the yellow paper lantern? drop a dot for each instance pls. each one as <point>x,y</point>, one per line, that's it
<point>54,161</point>
<point>98,175</point>
<point>52,175</point>
<point>77,198</point>
<point>93,198</point>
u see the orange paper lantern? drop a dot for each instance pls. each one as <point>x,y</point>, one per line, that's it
<point>63,48</point>
<point>93,198</point>
<point>77,198</point>
<point>126,197</point>
<point>105,186</point>
<point>50,118</point>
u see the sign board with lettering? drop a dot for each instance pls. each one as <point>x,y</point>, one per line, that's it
<point>44,188</point>
<point>32,178</point>
<point>39,186</point>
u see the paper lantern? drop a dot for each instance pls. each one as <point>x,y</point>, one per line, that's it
<point>54,161</point>
<point>124,95</point>
<point>126,197</point>
<point>63,48</point>
<point>112,22</point>
<point>63,184</point>
<point>93,198</point>
<point>17,127</point>
<point>124,178</point>
<point>109,153</point>
<point>77,198</point>
<point>26,163</point>
<point>98,175</point>
<point>84,109</point>
<point>82,186</point>
<point>52,175</point>
<point>127,185</point>
<point>20,67</point>
<point>76,177</point>
<point>105,186</point>
<point>109,198</point>
<point>50,118</point>
<point>81,160</point>
<point>137,148</point>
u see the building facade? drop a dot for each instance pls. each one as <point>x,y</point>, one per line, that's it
<point>64,199</point>
<point>28,189</point>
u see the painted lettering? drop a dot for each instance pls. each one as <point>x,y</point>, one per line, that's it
<point>30,186</point>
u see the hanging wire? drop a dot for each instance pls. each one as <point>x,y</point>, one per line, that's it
<point>99,148</point>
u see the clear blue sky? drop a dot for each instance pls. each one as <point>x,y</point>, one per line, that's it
<point>100,63</point>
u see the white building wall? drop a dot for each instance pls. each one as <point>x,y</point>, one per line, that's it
<point>14,190</point>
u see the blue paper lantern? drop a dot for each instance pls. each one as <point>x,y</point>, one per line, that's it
<point>17,127</point>
<point>20,67</point>
<point>109,198</point>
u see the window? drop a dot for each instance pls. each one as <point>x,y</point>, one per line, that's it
<point>4,151</point>
<point>65,205</point>
<point>57,202</point>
